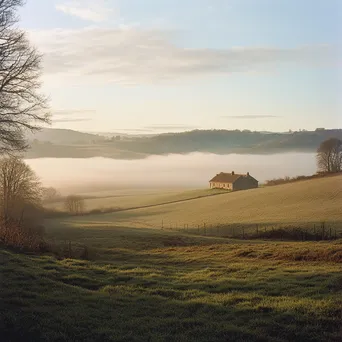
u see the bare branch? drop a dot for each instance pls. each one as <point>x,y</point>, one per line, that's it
<point>74,204</point>
<point>19,188</point>
<point>22,106</point>
<point>329,155</point>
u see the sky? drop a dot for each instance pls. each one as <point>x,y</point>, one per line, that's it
<point>148,66</point>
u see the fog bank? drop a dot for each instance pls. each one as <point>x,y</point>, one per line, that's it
<point>182,171</point>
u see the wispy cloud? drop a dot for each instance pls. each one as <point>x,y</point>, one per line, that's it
<point>70,120</point>
<point>72,115</point>
<point>248,117</point>
<point>68,112</point>
<point>131,56</point>
<point>90,10</point>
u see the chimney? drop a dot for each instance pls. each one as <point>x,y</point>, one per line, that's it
<point>247,173</point>
<point>233,173</point>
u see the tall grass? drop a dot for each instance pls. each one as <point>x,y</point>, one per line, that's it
<point>23,238</point>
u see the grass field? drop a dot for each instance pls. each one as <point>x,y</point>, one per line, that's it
<point>131,198</point>
<point>304,204</point>
<point>138,288</point>
<point>142,283</point>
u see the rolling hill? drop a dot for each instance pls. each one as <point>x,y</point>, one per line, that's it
<point>125,199</point>
<point>87,145</point>
<point>144,284</point>
<point>62,136</point>
<point>301,204</point>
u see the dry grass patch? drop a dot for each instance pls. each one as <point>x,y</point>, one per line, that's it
<point>297,204</point>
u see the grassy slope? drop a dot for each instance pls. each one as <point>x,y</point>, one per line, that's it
<point>303,203</point>
<point>215,292</point>
<point>135,198</point>
<point>203,291</point>
<point>154,285</point>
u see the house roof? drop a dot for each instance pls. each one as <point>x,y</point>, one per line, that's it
<point>227,177</point>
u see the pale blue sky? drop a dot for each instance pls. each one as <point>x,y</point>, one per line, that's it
<point>158,65</point>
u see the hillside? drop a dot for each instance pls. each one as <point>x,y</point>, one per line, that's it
<point>139,282</point>
<point>229,141</point>
<point>143,285</point>
<point>124,199</point>
<point>62,136</point>
<point>84,145</point>
<point>302,203</point>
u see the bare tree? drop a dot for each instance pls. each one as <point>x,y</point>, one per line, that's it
<point>22,107</point>
<point>20,190</point>
<point>50,194</point>
<point>329,155</point>
<point>74,204</point>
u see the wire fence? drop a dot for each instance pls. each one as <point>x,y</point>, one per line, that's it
<point>317,232</point>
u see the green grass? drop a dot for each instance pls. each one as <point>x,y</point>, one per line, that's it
<point>142,283</point>
<point>201,290</point>
<point>302,204</point>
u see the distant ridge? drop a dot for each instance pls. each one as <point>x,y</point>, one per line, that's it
<point>217,141</point>
<point>66,136</point>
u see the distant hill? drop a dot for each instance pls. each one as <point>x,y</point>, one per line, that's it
<point>85,145</point>
<point>224,141</point>
<point>62,136</point>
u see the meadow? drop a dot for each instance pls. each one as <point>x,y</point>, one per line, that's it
<point>132,198</point>
<point>136,287</point>
<point>139,282</point>
<point>305,204</point>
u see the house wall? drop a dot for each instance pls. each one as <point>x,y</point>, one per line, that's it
<point>244,183</point>
<point>227,186</point>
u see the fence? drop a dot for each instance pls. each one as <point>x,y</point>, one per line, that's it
<point>316,232</point>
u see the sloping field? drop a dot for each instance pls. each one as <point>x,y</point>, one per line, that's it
<point>137,198</point>
<point>303,203</point>
<point>219,292</point>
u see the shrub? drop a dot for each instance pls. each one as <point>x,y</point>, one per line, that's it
<point>30,239</point>
<point>278,181</point>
